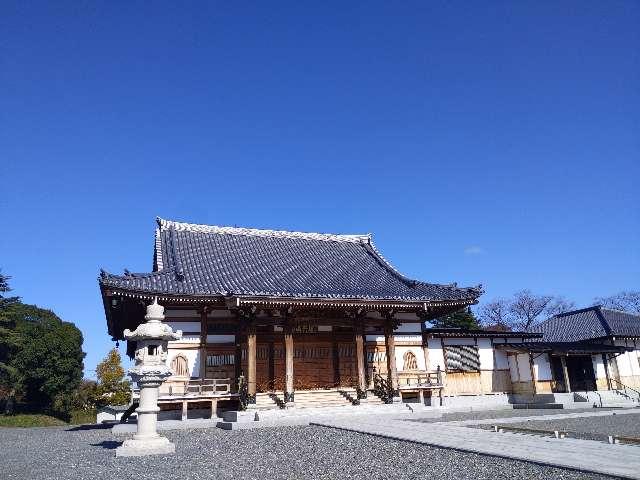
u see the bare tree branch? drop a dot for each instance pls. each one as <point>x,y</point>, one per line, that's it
<point>628,301</point>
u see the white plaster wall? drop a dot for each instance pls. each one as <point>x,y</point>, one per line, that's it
<point>542,367</point>
<point>408,328</point>
<point>186,339</point>
<point>436,355</point>
<point>513,368</point>
<point>418,351</point>
<point>185,326</point>
<point>485,351</point>
<point>193,359</point>
<point>417,339</point>
<point>221,338</point>
<point>502,363</point>
<point>524,369</point>
<point>598,366</point>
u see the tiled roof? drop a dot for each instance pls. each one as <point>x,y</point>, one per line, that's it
<point>571,348</point>
<point>589,323</point>
<point>201,260</point>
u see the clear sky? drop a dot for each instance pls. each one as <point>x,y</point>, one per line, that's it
<point>480,142</point>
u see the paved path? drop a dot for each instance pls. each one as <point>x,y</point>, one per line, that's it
<point>560,416</point>
<point>584,455</point>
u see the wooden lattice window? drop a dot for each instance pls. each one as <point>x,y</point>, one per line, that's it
<point>220,360</point>
<point>376,357</point>
<point>180,366</point>
<point>410,361</point>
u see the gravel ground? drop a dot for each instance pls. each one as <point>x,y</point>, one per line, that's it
<point>485,414</point>
<point>273,453</point>
<point>592,428</point>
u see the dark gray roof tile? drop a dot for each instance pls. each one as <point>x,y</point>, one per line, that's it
<point>203,260</point>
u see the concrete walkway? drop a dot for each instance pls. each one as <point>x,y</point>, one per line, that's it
<point>559,416</point>
<point>584,455</point>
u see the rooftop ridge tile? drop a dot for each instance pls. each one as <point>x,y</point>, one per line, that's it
<point>257,232</point>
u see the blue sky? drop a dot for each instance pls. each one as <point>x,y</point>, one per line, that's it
<point>480,142</point>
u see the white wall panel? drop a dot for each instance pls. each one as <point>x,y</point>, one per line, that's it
<point>524,368</point>
<point>542,367</point>
<point>408,328</point>
<point>598,366</point>
<point>418,351</point>
<point>436,355</point>
<point>193,359</point>
<point>485,352</point>
<point>185,326</point>
<point>502,363</point>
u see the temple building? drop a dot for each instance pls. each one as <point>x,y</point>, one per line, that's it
<point>275,319</point>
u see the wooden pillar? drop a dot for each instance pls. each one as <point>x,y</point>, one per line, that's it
<point>565,373</point>
<point>288,353</point>
<point>272,367</point>
<point>251,364</point>
<point>425,346</point>
<point>390,345</point>
<point>185,410</point>
<point>214,408</point>
<point>533,374</point>
<point>335,362</point>
<point>605,360</point>
<point>203,344</point>
<point>362,383</point>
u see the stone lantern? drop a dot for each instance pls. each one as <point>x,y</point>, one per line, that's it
<point>149,372</point>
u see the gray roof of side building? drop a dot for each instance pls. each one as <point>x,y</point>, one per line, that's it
<point>589,324</point>
<point>202,260</point>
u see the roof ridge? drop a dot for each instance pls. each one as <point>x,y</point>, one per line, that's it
<point>620,311</point>
<point>256,232</point>
<point>573,312</point>
<point>603,320</point>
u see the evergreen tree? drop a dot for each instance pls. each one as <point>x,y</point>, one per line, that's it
<point>8,344</point>
<point>112,388</point>
<point>461,319</point>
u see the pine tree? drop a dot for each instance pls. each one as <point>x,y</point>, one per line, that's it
<point>461,319</point>
<point>112,389</point>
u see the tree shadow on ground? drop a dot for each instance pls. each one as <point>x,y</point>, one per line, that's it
<point>91,426</point>
<point>107,444</point>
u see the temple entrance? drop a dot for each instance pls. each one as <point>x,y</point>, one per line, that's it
<point>317,364</point>
<point>581,374</point>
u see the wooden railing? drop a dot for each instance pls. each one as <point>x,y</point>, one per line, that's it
<point>625,390</point>
<point>203,387</point>
<point>243,392</point>
<point>420,379</point>
<point>382,388</point>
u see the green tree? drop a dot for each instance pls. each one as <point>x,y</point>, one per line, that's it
<point>8,344</point>
<point>49,358</point>
<point>112,387</point>
<point>461,319</point>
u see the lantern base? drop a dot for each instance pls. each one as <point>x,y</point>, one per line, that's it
<point>152,446</point>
